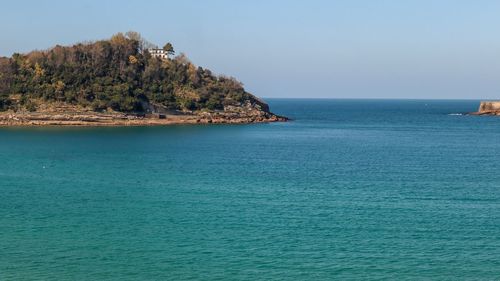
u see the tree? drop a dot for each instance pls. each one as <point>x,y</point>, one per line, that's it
<point>169,48</point>
<point>143,43</point>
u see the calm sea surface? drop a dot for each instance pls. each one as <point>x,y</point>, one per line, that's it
<point>350,190</point>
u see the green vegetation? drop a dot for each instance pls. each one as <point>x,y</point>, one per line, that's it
<point>119,74</point>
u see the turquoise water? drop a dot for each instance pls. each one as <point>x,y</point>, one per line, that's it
<point>350,190</point>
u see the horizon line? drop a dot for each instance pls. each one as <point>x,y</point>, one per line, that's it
<point>378,98</point>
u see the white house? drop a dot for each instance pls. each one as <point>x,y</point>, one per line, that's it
<point>158,53</point>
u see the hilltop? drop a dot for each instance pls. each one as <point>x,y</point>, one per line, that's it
<point>120,81</point>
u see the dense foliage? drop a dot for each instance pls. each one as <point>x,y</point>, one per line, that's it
<point>117,73</point>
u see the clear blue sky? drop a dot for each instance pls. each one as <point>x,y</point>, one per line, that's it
<point>337,49</point>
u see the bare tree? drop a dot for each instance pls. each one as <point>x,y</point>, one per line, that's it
<point>143,43</point>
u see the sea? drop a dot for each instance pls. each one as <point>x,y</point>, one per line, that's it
<point>347,190</point>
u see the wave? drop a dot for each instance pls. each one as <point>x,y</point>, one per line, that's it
<point>456,114</point>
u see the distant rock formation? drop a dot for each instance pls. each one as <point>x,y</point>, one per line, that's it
<point>488,108</point>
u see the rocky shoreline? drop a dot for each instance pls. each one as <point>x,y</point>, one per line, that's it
<point>121,119</point>
<point>489,108</point>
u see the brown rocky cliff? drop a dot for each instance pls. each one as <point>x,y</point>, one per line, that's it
<point>488,108</point>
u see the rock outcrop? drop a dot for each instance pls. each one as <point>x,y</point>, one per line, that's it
<point>67,115</point>
<point>488,108</point>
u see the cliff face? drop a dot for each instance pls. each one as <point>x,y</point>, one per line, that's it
<point>488,108</point>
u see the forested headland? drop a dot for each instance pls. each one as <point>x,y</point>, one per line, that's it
<point>119,75</point>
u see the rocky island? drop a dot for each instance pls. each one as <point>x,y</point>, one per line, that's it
<point>488,108</point>
<point>123,81</point>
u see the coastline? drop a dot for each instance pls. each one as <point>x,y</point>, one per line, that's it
<point>488,108</point>
<point>95,119</point>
